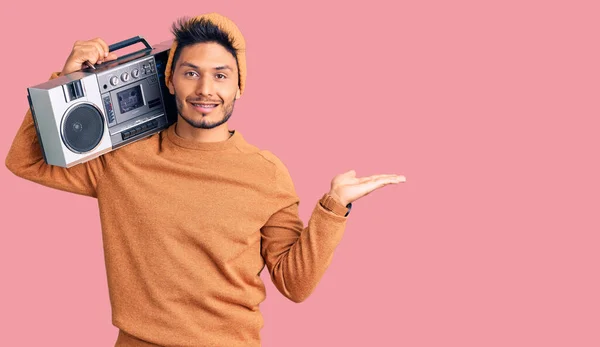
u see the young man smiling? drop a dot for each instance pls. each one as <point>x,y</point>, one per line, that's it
<point>191,215</point>
<point>204,80</point>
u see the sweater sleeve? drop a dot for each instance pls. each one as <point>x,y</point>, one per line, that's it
<point>298,256</point>
<point>25,159</point>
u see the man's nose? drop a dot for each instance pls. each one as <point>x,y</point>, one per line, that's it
<point>205,86</point>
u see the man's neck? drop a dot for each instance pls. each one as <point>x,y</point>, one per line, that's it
<point>186,131</point>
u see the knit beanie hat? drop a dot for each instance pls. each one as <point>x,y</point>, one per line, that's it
<point>238,41</point>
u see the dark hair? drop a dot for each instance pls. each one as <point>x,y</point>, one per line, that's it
<point>190,32</point>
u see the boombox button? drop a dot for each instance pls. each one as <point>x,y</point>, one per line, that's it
<point>114,80</point>
<point>135,73</point>
<point>125,77</point>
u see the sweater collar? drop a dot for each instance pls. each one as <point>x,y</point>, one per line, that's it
<point>231,142</point>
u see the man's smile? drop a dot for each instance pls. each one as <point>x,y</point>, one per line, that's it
<point>204,107</point>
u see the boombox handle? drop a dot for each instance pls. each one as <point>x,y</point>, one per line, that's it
<point>129,42</point>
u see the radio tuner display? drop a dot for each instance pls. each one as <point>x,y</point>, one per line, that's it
<point>130,99</point>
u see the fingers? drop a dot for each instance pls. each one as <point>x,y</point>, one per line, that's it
<point>103,49</point>
<point>89,53</point>
<point>388,179</point>
<point>91,49</point>
<point>103,46</point>
<point>111,56</point>
<point>95,51</point>
<point>381,181</point>
<point>377,177</point>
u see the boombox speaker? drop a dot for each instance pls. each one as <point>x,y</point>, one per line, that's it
<point>84,114</point>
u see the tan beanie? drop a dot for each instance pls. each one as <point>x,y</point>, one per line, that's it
<point>227,26</point>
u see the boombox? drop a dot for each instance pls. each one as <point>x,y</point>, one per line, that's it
<point>87,113</point>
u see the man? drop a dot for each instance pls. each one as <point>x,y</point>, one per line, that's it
<point>191,215</point>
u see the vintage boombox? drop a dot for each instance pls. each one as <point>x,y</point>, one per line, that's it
<point>90,112</point>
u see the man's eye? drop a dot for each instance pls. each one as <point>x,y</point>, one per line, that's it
<point>190,74</point>
<point>221,76</point>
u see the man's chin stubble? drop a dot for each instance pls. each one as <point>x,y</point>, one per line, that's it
<point>204,125</point>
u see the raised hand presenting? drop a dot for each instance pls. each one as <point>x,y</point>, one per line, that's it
<point>346,187</point>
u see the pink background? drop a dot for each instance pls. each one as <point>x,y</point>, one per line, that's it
<point>490,110</point>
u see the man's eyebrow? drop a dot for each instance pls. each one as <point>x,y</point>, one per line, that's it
<point>185,63</point>
<point>218,68</point>
<point>224,67</point>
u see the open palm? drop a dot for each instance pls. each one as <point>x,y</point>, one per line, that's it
<point>347,187</point>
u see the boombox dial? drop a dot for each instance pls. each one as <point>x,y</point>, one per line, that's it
<point>125,77</point>
<point>135,73</point>
<point>114,80</point>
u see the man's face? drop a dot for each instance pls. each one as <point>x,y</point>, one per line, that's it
<point>205,85</point>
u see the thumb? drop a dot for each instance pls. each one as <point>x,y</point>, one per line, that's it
<point>350,173</point>
<point>111,56</point>
<point>343,177</point>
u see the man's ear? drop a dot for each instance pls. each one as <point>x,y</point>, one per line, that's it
<point>238,93</point>
<point>170,84</point>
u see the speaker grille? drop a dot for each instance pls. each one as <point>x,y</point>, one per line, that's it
<point>83,127</point>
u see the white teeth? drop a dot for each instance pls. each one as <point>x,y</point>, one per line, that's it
<point>205,105</point>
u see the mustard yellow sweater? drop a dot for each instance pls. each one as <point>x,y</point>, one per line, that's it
<point>187,228</point>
